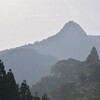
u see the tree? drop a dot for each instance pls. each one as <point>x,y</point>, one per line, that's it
<point>2,69</point>
<point>13,92</point>
<point>93,55</point>
<point>3,81</point>
<point>8,86</point>
<point>24,91</point>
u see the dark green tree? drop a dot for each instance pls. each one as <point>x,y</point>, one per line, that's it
<point>8,86</point>
<point>3,81</point>
<point>2,69</point>
<point>12,87</point>
<point>24,91</point>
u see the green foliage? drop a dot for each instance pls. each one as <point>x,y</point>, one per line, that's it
<point>46,85</point>
<point>61,72</point>
<point>86,85</point>
<point>65,69</point>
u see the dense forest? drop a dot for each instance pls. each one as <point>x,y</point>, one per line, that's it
<point>69,80</point>
<point>72,79</point>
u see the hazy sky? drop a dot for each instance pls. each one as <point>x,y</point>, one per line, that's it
<point>25,21</point>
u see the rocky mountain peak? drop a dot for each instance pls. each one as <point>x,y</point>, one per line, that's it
<point>73,29</point>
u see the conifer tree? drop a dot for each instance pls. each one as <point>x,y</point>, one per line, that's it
<point>2,81</point>
<point>25,93</point>
<point>93,56</point>
<point>12,87</point>
<point>8,86</point>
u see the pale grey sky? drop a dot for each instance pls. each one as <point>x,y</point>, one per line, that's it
<point>26,21</point>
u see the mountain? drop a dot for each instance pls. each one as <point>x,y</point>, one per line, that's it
<point>95,38</point>
<point>27,64</point>
<point>93,55</point>
<point>61,72</point>
<point>87,83</point>
<point>84,86</point>
<point>70,42</point>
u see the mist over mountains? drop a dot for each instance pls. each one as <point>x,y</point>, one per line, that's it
<point>95,38</point>
<point>33,61</point>
<point>72,79</point>
<point>27,64</point>
<point>86,85</point>
<point>71,42</point>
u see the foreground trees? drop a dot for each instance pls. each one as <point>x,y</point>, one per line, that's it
<point>9,89</point>
<point>8,86</point>
<point>24,92</point>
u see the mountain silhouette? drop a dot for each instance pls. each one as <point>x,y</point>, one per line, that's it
<point>70,42</point>
<point>27,64</point>
<point>85,83</point>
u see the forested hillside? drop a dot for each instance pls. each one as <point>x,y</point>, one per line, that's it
<point>10,90</point>
<point>73,80</point>
<point>27,63</point>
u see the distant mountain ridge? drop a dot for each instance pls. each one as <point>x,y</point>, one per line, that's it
<point>70,42</point>
<point>95,38</point>
<point>66,43</point>
<point>61,72</point>
<point>85,84</point>
<point>27,64</point>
